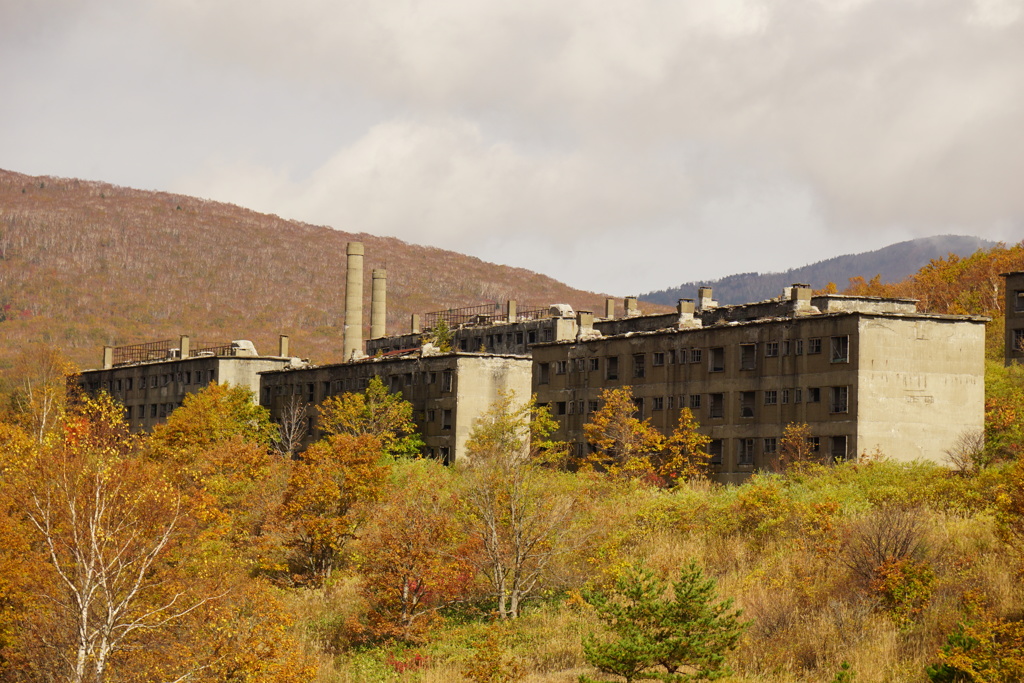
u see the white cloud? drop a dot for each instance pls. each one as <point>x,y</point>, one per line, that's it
<point>494,127</point>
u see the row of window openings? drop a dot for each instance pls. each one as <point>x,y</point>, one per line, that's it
<point>494,340</point>
<point>128,384</point>
<point>745,448</point>
<point>446,417</point>
<point>338,386</point>
<point>153,410</point>
<point>840,353</point>
<point>838,401</point>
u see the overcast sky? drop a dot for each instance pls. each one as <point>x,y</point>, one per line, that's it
<point>617,145</point>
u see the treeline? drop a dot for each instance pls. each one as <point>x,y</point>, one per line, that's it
<point>86,264</point>
<point>204,552</point>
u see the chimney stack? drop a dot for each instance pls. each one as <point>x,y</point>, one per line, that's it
<point>510,311</point>
<point>184,347</point>
<point>609,309</point>
<point>282,345</point>
<point>414,324</point>
<point>706,299</point>
<point>629,303</point>
<point>108,357</point>
<point>378,303</point>
<point>353,340</point>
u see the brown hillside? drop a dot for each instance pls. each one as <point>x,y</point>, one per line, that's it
<point>83,264</point>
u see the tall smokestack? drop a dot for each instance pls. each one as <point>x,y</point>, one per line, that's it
<point>354,301</point>
<point>378,303</point>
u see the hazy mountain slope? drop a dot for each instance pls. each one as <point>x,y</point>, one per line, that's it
<point>83,264</point>
<point>893,263</point>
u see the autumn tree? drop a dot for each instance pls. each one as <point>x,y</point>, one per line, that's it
<point>214,415</point>
<point>521,514</point>
<point>108,522</point>
<point>795,447</point>
<point>375,412</point>
<point>40,385</point>
<point>414,557</point>
<point>684,455</point>
<point>324,503</point>
<point>623,443</point>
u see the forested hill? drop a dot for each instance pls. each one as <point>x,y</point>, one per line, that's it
<point>893,263</point>
<point>84,264</point>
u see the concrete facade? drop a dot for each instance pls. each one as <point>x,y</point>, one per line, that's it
<point>1013,311</point>
<point>448,392</point>
<point>863,374</point>
<point>158,376</point>
<point>501,332</point>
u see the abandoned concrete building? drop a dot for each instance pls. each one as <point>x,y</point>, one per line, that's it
<point>864,373</point>
<point>1013,311</point>
<point>448,392</point>
<point>152,379</point>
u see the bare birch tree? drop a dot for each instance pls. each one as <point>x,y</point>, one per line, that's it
<point>522,519</point>
<point>107,521</point>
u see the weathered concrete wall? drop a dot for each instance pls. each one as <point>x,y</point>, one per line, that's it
<point>481,381</point>
<point>921,385</point>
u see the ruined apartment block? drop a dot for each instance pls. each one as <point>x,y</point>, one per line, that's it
<point>448,392</point>
<point>152,379</point>
<point>863,373</point>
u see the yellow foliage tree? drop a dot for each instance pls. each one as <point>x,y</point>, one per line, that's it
<point>375,412</point>
<point>684,456</point>
<point>623,443</point>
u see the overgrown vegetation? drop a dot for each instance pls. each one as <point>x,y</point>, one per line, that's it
<point>214,558</point>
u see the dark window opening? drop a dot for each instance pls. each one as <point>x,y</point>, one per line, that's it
<point>841,349</point>
<point>748,356</point>
<point>746,404</point>
<point>717,405</point>
<point>717,360</point>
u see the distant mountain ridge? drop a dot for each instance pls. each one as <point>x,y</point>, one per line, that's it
<point>893,263</point>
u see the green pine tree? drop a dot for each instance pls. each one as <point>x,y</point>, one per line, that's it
<point>687,634</point>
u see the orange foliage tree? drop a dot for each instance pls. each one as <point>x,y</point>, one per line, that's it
<point>325,500</point>
<point>414,557</point>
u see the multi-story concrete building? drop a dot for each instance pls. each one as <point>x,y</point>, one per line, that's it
<point>448,392</point>
<point>486,328</point>
<point>863,373</point>
<point>152,379</point>
<point>1013,312</point>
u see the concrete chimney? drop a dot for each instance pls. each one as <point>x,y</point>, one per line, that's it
<point>414,324</point>
<point>378,303</point>
<point>510,311</point>
<point>282,345</point>
<point>353,340</point>
<point>609,309</point>
<point>585,325</point>
<point>629,304</point>
<point>686,308</point>
<point>184,346</point>
<point>108,357</point>
<point>800,297</point>
<point>706,299</point>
